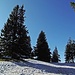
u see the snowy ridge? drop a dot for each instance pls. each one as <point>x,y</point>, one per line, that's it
<point>34,67</point>
<point>60,65</point>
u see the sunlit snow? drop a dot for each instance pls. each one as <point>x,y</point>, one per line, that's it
<point>34,67</point>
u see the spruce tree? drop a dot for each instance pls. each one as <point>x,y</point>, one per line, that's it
<point>55,56</point>
<point>70,51</point>
<point>42,49</point>
<point>14,36</point>
<point>73,44</point>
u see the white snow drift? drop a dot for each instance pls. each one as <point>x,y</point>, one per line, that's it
<point>34,67</point>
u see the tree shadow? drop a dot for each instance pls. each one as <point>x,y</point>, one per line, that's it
<point>65,64</point>
<point>21,63</point>
<point>48,68</point>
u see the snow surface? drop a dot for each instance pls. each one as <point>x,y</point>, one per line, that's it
<point>34,67</point>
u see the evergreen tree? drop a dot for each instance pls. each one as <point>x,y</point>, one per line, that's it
<point>73,44</point>
<point>42,49</point>
<point>70,51</point>
<point>14,38</point>
<point>55,56</point>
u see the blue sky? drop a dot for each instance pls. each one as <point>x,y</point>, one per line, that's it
<point>55,17</point>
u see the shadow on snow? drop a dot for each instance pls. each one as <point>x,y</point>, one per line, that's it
<point>49,69</point>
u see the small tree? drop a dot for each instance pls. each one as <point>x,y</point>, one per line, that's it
<point>70,51</point>
<point>42,49</point>
<point>55,56</point>
<point>73,43</point>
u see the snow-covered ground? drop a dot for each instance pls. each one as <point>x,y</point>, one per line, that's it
<point>34,67</point>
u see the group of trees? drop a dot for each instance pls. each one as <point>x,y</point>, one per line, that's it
<point>42,50</point>
<point>15,42</point>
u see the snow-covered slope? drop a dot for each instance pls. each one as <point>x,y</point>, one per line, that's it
<point>34,67</point>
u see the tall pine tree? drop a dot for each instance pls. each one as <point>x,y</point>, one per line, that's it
<point>14,38</point>
<point>42,49</point>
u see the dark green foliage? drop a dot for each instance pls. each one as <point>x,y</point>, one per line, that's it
<point>55,56</point>
<point>14,38</point>
<point>73,5</point>
<point>70,51</point>
<point>70,47</point>
<point>0,49</point>
<point>42,50</point>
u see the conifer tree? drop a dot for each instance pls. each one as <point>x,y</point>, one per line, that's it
<point>42,49</point>
<point>14,38</point>
<point>70,51</point>
<point>70,47</point>
<point>55,56</point>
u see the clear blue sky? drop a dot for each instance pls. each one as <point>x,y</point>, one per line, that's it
<point>55,17</point>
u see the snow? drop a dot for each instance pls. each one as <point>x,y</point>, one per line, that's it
<point>34,67</point>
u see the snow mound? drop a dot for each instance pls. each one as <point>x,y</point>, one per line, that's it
<point>34,67</point>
